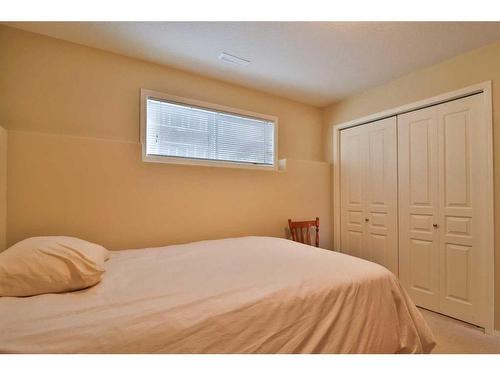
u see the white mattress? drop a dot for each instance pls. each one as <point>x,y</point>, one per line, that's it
<point>238,295</point>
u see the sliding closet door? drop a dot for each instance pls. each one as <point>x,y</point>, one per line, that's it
<point>368,179</point>
<point>418,206</point>
<point>442,162</point>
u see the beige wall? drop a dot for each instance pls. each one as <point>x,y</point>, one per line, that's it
<point>56,87</point>
<point>474,67</point>
<point>3,188</point>
<point>102,191</point>
<point>72,114</point>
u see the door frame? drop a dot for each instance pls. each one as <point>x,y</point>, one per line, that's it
<point>486,90</point>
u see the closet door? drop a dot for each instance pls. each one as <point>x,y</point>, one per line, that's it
<point>442,162</point>
<point>368,179</point>
<point>418,206</point>
<point>352,180</point>
<point>381,194</point>
<point>462,162</point>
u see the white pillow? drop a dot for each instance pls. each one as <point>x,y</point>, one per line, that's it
<point>55,264</point>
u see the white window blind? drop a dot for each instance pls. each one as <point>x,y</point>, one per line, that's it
<point>185,131</point>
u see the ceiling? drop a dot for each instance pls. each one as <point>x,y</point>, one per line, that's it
<point>311,62</point>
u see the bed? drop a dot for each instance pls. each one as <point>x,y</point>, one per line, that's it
<point>236,295</point>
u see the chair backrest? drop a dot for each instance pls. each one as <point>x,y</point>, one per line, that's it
<point>297,229</point>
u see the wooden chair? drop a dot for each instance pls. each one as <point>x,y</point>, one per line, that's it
<point>297,229</point>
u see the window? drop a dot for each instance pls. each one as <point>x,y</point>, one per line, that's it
<point>178,130</point>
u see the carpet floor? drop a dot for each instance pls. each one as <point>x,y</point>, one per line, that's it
<point>456,337</point>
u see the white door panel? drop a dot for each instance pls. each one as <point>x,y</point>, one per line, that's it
<point>381,193</point>
<point>441,161</point>
<point>461,156</point>
<point>368,174</point>
<point>418,208</point>
<point>352,200</point>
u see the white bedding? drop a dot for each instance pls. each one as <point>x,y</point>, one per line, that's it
<point>238,295</point>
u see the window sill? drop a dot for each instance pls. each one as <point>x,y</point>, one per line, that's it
<point>209,163</point>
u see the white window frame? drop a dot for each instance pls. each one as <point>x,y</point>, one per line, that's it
<point>145,94</point>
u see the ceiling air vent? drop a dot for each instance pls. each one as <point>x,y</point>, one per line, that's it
<point>226,57</point>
